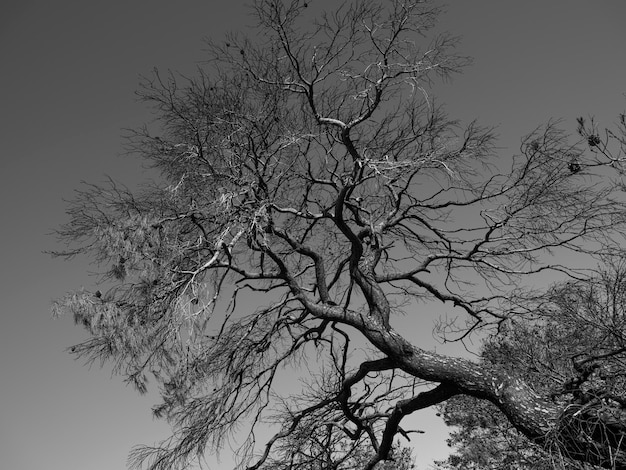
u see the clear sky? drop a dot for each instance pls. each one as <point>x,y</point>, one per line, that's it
<point>69,69</point>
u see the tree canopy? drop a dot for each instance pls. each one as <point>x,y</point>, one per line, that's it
<point>310,193</point>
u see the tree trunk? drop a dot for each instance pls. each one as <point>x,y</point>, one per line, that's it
<point>585,434</point>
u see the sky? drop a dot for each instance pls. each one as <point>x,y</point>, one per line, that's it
<point>69,72</point>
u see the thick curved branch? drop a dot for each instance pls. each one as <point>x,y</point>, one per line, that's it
<point>403,408</point>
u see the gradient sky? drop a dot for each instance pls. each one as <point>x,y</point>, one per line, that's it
<point>69,71</point>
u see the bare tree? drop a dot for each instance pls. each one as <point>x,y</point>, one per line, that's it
<point>305,170</point>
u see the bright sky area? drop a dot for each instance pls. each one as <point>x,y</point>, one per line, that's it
<point>69,71</point>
